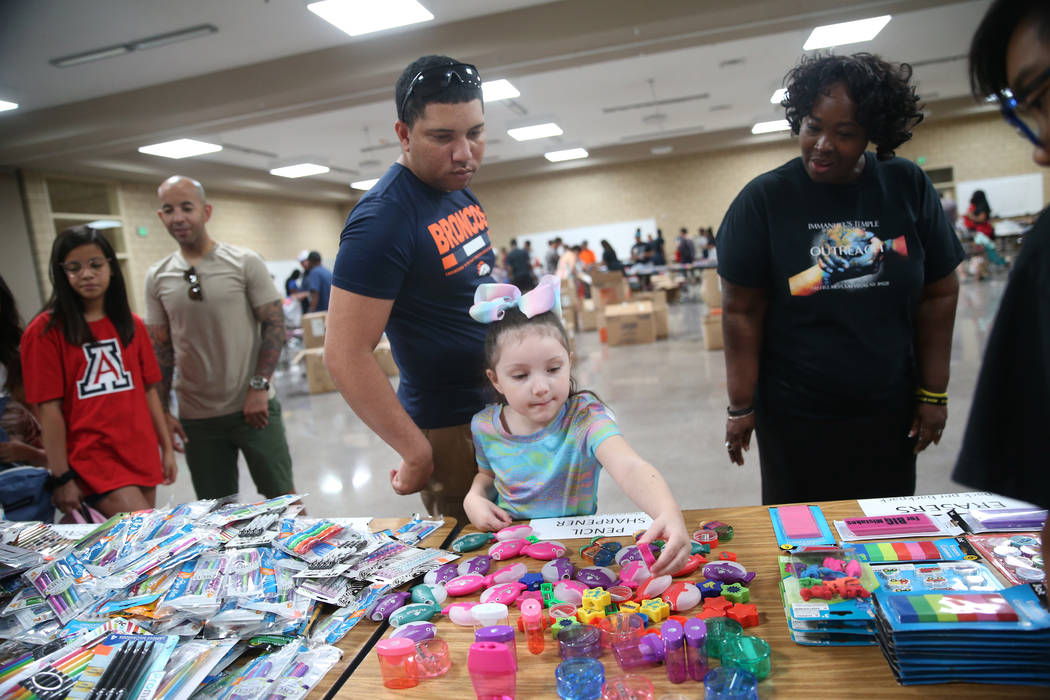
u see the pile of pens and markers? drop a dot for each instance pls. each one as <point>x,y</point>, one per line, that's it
<point>211,599</point>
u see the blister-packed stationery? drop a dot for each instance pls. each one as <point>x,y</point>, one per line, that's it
<point>125,666</point>
<point>333,628</point>
<point>978,520</point>
<point>1018,556</point>
<point>415,530</point>
<point>306,670</point>
<point>260,675</point>
<point>235,512</point>
<point>259,531</point>
<point>189,664</point>
<point>169,553</point>
<point>308,536</point>
<point>195,592</point>
<point>935,577</point>
<point>140,598</point>
<point>68,587</point>
<point>58,656</point>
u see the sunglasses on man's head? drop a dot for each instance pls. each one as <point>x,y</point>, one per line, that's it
<point>433,80</point>
<point>194,280</point>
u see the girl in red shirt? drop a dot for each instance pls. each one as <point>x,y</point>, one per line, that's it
<point>89,365</point>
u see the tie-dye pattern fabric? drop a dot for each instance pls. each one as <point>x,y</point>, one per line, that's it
<point>551,473</point>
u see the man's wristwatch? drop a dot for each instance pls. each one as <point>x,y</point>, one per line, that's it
<point>259,383</point>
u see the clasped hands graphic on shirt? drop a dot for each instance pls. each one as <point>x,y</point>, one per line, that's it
<point>847,253</point>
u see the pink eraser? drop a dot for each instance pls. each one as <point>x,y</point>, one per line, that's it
<point>892,524</point>
<point>798,522</point>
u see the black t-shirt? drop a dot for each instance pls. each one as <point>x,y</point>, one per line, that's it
<point>519,264</point>
<point>427,250</point>
<point>1006,448</point>
<point>841,343</point>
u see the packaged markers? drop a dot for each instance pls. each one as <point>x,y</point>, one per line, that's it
<point>66,585</point>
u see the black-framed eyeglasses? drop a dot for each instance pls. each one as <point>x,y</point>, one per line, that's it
<point>194,280</point>
<point>74,268</point>
<point>433,80</point>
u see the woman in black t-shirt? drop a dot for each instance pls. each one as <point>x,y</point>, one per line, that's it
<point>839,294</point>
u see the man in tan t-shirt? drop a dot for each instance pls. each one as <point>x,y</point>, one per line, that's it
<point>213,311</point>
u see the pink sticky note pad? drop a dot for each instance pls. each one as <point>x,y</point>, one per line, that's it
<point>798,522</point>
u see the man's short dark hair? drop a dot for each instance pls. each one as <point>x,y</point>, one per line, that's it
<point>988,48</point>
<point>514,243</point>
<point>413,108</point>
<point>314,257</point>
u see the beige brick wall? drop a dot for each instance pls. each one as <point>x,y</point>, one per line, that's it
<point>276,228</point>
<point>695,190</point>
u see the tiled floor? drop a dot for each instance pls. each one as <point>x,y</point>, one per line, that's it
<point>669,398</point>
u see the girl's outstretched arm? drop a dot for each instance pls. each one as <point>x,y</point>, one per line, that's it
<point>483,513</point>
<point>160,427</point>
<point>650,492</point>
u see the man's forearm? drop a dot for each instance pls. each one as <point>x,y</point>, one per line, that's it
<point>160,337</point>
<point>271,319</point>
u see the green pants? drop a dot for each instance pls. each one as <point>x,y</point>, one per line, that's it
<point>211,454</point>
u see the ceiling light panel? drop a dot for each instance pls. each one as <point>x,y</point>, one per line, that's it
<point>6,106</point>
<point>493,90</point>
<point>768,127</point>
<point>364,184</point>
<point>300,170</point>
<point>566,154</point>
<point>778,96</point>
<point>845,33</point>
<point>536,131</point>
<point>180,148</point>
<point>357,17</point>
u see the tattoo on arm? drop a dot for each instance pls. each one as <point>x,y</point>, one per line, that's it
<point>271,316</point>
<point>160,336</point>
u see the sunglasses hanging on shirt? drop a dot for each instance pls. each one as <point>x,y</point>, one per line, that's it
<point>194,281</point>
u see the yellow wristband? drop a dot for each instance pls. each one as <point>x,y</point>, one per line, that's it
<point>932,394</point>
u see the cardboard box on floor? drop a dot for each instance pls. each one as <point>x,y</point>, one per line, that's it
<point>661,312</point>
<point>568,293</point>
<point>313,329</point>
<point>608,287</point>
<point>711,289</point>
<point>630,323</point>
<point>318,379</point>
<point>385,357</point>
<point>569,318</point>
<point>669,283</point>
<point>712,323</point>
<point>588,317</point>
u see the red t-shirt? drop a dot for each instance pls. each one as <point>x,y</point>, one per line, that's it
<point>110,440</point>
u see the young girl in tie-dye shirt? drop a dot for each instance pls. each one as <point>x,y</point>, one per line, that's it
<point>539,450</point>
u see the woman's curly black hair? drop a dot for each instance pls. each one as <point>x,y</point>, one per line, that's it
<point>887,106</point>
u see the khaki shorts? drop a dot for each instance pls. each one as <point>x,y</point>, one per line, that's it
<point>454,470</point>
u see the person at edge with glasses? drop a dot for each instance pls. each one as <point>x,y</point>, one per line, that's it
<point>412,253</point>
<point>90,370</point>
<point>212,311</point>
<point>1006,447</point>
